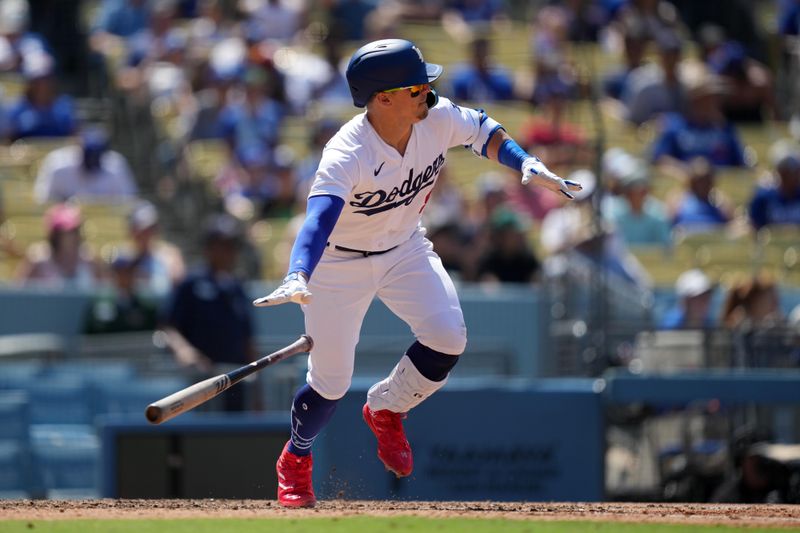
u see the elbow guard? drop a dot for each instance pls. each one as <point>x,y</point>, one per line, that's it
<point>488,127</point>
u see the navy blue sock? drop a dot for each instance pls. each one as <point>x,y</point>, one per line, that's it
<point>432,364</point>
<point>310,413</point>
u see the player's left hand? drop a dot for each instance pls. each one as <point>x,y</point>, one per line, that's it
<point>293,289</point>
<point>536,171</point>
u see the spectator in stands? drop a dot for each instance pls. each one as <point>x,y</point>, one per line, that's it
<point>508,258</point>
<point>122,18</point>
<point>462,19</point>
<point>653,89</point>
<point>750,97</point>
<point>209,101</point>
<point>702,130</point>
<point>330,86</point>
<point>477,12</point>
<point>89,171</point>
<point>575,229</point>
<point>413,10</point>
<point>475,221</point>
<point>320,132</point>
<point>154,62</point>
<point>207,320</point>
<point>752,302</point>
<point>446,203</point>
<point>789,17</point>
<point>348,18</point>
<point>444,218</point>
<point>693,310</point>
<point>123,308</point>
<point>157,264</point>
<point>552,71</point>
<point>586,19</point>
<point>276,20</point>
<point>3,117</point>
<point>8,247</point>
<point>616,82</point>
<point>481,80</point>
<point>253,124</point>
<point>265,180</point>
<point>165,75</point>
<point>211,25</point>
<point>701,206</point>
<point>657,16</point>
<point>225,69</point>
<point>639,218</point>
<point>62,261</point>
<point>15,39</point>
<point>550,29</point>
<point>779,201</point>
<point>549,133</point>
<point>41,111</point>
<point>450,242</point>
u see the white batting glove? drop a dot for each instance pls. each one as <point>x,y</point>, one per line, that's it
<point>534,170</point>
<point>293,289</point>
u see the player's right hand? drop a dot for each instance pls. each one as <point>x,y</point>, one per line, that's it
<point>292,289</point>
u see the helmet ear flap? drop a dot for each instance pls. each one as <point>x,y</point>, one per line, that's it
<point>432,98</point>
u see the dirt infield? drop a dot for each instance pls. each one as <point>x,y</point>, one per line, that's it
<point>739,515</point>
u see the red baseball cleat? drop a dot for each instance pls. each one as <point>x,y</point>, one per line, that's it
<point>294,479</point>
<point>393,447</point>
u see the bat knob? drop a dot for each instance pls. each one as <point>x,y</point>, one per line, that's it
<point>310,342</point>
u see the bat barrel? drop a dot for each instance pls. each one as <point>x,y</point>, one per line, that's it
<point>154,414</point>
<point>186,399</point>
<point>191,397</point>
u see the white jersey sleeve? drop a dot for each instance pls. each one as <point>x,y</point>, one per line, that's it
<point>460,125</point>
<point>471,128</point>
<point>337,174</point>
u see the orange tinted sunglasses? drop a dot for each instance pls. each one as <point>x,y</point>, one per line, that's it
<point>415,89</point>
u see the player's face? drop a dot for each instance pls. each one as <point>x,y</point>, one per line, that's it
<point>412,100</point>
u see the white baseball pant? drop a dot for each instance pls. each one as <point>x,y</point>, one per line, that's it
<point>410,280</point>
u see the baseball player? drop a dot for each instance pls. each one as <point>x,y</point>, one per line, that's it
<point>362,238</point>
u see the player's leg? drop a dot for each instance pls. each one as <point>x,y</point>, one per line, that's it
<point>333,319</point>
<point>418,289</point>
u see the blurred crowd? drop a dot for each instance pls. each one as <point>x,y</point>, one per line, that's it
<point>681,75</point>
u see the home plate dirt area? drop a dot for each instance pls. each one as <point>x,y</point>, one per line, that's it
<point>736,515</point>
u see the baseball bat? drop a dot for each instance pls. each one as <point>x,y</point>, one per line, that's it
<point>192,396</point>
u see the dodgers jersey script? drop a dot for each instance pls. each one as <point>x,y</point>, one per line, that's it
<point>385,192</point>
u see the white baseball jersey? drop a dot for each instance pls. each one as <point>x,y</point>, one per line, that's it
<point>384,192</point>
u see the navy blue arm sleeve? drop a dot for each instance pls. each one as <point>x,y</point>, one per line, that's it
<point>322,213</point>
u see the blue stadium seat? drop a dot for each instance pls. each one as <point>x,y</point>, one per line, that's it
<point>18,374</point>
<point>13,471</point>
<point>91,371</point>
<point>16,479</point>
<point>59,401</point>
<point>131,398</point>
<point>14,417</point>
<point>67,458</point>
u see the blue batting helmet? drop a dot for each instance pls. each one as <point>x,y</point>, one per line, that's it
<point>387,64</point>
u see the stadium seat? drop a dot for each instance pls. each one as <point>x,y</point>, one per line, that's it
<point>18,374</point>
<point>67,458</point>
<point>15,465</point>
<point>92,371</point>
<point>14,415</point>
<point>62,400</point>
<point>131,397</point>
<point>13,471</point>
